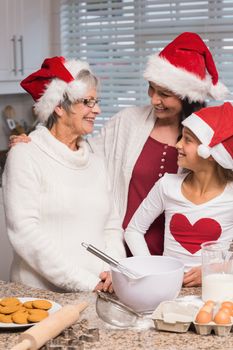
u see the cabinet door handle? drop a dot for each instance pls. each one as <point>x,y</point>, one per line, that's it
<point>13,39</point>
<point>21,54</point>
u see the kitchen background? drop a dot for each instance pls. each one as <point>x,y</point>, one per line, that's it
<point>115,36</point>
<point>38,25</point>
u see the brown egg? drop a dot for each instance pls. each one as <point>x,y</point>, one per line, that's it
<point>227,304</point>
<point>210,303</point>
<point>203,317</point>
<point>222,317</point>
<point>207,308</point>
<point>225,309</point>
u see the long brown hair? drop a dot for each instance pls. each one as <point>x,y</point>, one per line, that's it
<point>225,174</point>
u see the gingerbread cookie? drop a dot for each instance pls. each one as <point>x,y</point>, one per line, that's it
<point>9,301</point>
<point>28,304</point>
<point>5,318</point>
<point>36,315</point>
<point>12,310</point>
<point>20,317</point>
<point>42,304</point>
<point>21,309</point>
<point>6,310</point>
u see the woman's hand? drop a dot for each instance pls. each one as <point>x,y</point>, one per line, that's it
<point>192,278</point>
<point>106,282</point>
<point>14,139</point>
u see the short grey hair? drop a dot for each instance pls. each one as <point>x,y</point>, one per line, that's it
<point>91,82</point>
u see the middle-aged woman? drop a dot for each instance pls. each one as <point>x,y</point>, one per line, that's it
<point>139,142</point>
<point>56,191</point>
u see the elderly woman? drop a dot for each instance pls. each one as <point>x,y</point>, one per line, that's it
<point>56,192</point>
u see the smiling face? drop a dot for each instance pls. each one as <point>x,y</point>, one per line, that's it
<point>187,151</point>
<point>165,103</point>
<point>75,120</point>
<point>81,118</point>
<point>78,118</point>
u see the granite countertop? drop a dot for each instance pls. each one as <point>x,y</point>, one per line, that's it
<point>111,337</point>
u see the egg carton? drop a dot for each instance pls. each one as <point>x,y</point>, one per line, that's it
<point>206,329</point>
<point>173,316</point>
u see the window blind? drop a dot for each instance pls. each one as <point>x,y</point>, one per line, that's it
<point>116,37</point>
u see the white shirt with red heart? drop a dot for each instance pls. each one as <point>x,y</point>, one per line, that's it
<point>187,225</point>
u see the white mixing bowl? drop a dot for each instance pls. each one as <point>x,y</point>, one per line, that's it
<point>161,280</point>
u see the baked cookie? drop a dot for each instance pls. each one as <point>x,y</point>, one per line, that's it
<point>28,304</point>
<point>21,309</point>
<point>36,315</point>
<point>12,310</point>
<point>9,301</point>
<point>6,310</point>
<point>42,304</point>
<point>5,318</point>
<point>20,317</point>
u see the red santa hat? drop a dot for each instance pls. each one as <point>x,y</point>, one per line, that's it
<point>186,67</point>
<point>213,126</point>
<point>49,84</point>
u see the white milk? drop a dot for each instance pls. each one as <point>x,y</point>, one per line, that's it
<point>217,287</point>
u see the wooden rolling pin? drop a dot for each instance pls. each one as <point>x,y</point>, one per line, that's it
<point>35,337</point>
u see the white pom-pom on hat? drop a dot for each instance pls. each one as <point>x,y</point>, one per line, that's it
<point>204,151</point>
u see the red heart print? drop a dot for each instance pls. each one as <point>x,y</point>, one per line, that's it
<point>192,236</point>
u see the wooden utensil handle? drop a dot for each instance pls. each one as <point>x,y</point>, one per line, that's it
<point>24,345</point>
<point>50,327</point>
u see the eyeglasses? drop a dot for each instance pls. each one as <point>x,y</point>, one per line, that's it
<point>89,102</point>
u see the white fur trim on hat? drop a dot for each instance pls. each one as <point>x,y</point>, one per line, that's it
<point>181,82</point>
<point>219,91</point>
<point>221,156</point>
<point>55,90</point>
<point>199,127</point>
<point>218,152</point>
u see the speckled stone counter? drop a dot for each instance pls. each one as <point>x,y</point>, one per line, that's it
<point>112,337</point>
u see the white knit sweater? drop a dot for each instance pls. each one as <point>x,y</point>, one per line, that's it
<point>121,141</point>
<point>55,199</point>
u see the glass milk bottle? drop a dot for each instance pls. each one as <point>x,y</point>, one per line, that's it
<point>217,271</point>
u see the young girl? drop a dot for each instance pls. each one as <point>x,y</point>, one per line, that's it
<point>198,202</point>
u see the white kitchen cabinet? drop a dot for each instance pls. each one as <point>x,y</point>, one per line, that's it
<point>6,251</point>
<point>25,40</point>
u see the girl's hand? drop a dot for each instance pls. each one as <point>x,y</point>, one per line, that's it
<point>14,139</point>
<point>192,278</point>
<point>106,282</point>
